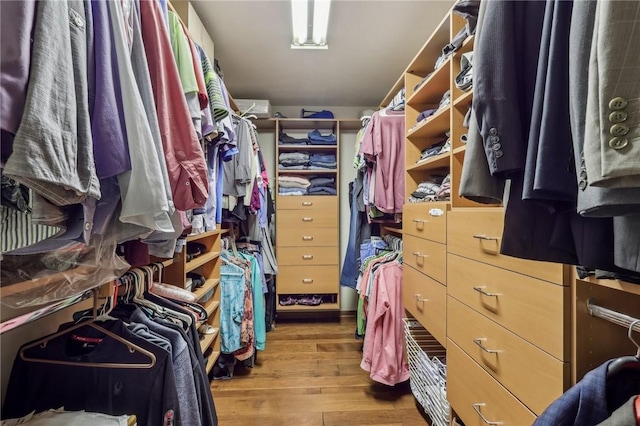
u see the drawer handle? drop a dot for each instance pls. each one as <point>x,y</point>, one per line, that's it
<point>307,203</point>
<point>307,238</point>
<point>478,341</point>
<point>307,256</point>
<point>420,221</point>
<point>307,219</point>
<point>307,280</point>
<point>419,299</point>
<point>418,254</point>
<point>484,237</point>
<point>481,289</point>
<point>476,407</point>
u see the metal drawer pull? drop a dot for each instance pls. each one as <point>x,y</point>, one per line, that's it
<point>481,289</point>
<point>476,407</point>
<point>420,221</point>
<point>419,299</point>
<point>307,280</point>
<point>307,203</point>
<point>484,237</point>
<point>307,219</point>
<point>307,238</point>
<point>478,341</point>
<point>307,256</point>
<point>418,254</point>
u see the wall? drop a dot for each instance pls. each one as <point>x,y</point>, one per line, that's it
<point>348,296</point>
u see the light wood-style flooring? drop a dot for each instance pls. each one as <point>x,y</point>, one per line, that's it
<point>310,375</point>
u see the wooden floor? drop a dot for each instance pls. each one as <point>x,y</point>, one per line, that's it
<point>310,375</point>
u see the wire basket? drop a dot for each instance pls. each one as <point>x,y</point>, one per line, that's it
<point>427,364</point>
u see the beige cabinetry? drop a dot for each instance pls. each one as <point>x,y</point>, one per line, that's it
<point>307,226</point>
<point>207,265</point>
<point>505,322</point>
<point>509,318</point>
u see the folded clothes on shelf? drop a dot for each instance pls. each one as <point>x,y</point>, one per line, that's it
<point>317,138</point>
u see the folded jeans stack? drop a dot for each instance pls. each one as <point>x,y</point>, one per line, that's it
<point>321,185</point>
<point>317,138</point>
<point>289,140</point>
<point>325,161</point>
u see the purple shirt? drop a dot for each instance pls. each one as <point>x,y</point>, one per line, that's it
<point>110,146</point>
<point>17,18</point>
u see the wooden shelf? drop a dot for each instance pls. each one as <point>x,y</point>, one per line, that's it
<point>201,260</point>
<point>203,235</point>
<point>308,147</point>
<point>307,172</point>
<point>426,57</point>
<point>391,229</point>
<point>306,124</point>
<point>432,90</point>
<point>302,308</point>
<point>434,126</point>
<point>211,307</point>
<point>464,99</point>
<point>350,124</point>
<point>615,284</point>
<point>265,123</point>
<point>436,162</point>
<point>208,285</point>
<point>459,149</point>
<point>212,360</point>
<point>208,340</point>
<point>58,277</point>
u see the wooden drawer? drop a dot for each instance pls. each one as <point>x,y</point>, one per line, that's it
<point>533,376</point>
<point>477,233</point>
<point>473,393</point>
<point>426,256</point>
<point>303,237</point>
<point>535,310</point>
<point>425,220</point>
<point>308,255</point>
<point>308,202</point>
<point>432,312</point>
<point>307,279</point>
<point>306,219</point>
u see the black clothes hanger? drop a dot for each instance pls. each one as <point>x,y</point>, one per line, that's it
<point>623,376</point>
<point>626,362</point>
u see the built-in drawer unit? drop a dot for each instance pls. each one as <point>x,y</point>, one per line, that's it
<point>304,256</point>
<point>425,220</point>
<point>426,300</point>
<point>477,397</point>
<point>307,279</point>
<point>476,233</point>
<point>308,202</point>
<point>306,219</point>
<point>534,309</point>
<point>426,256</point>
<point>307,236</point>
<point>532,375</point>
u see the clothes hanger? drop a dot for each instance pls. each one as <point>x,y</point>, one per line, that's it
<point>42,343</point>
<point>626,363</point>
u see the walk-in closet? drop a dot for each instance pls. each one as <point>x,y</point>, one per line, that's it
<point>320,212</point>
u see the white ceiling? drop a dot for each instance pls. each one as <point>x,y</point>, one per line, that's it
<point>370,45</point>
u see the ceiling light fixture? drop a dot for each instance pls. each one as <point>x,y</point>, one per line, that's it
<point>310,23</point>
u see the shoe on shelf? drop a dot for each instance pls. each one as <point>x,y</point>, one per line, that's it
<point>206,329</point>
<point>310,300</point>
<point>194,250</point>
<point>288,301</point>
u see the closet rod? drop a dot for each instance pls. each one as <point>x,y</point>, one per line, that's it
<point>613,316</point>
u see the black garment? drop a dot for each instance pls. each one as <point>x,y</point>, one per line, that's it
<point>209,415</point>
<point>149,393</point>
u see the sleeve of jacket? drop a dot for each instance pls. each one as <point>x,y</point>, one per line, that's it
<point>496,89</point>
<point>612,133</point>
